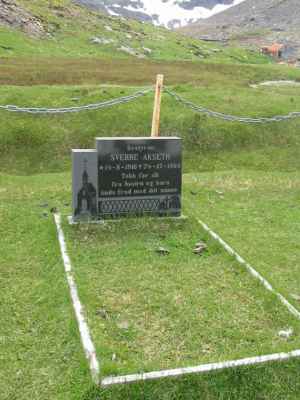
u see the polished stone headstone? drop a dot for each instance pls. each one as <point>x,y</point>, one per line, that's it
<point>85,184</point>
<point>139,176</point>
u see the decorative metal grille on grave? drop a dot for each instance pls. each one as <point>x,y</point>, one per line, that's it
<point>159,206</point>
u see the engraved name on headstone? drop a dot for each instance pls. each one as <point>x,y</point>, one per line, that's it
<point>139,176</point>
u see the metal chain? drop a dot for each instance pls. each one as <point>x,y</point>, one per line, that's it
<point>96,106</point>
<point>143,92</point>
<point>229,117</point>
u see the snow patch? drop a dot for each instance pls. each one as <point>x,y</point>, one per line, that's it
<point>170,13</point>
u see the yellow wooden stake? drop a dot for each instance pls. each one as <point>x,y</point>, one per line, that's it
<point>157,104</point>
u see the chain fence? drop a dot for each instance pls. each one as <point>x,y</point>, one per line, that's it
<point>143,92</point>
<point>95,106</point>
<point>229,117</point>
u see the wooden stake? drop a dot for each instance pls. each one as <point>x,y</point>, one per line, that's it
<point>157,103</point>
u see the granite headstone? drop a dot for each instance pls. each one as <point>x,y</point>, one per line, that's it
<point>85,184</point>
<point>132,177</point>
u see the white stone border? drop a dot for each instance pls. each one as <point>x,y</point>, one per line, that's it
<point>89,347</point>
<point>250,269</point>
<point>200,369</point>
<point>85,335</point>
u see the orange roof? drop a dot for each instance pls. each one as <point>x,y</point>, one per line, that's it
<point>274,47</point>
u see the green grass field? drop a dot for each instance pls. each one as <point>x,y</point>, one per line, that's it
<point>245,184</point>
<point>214,310</point>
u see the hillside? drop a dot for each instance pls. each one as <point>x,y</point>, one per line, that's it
<point>60,28</point>
<point>255,22</point>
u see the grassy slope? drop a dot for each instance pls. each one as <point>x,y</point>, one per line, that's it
<point>218,145</point>
<point>70,29</point>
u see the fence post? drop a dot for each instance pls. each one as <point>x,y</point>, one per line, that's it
<point>157,104</point>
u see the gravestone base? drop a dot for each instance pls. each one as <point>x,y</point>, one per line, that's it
<point>73,221</point>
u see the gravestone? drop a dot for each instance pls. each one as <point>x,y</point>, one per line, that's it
<point>85,184</point>
<point>132,177</point>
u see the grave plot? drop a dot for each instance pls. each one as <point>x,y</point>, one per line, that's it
<point>258,214</point>
<point>153,304</point>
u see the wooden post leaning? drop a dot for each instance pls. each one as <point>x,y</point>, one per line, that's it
<point>157,104</point>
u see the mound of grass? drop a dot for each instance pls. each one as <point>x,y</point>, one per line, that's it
<point>151,312</point>
<point>31,144</point>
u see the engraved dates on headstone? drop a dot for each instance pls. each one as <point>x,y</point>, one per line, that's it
<point>128,176</point>
<point>139,176</point>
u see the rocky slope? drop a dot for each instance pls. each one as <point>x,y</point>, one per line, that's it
<point>255,22</point>
<point>169,13</point>
<point>15,16</point>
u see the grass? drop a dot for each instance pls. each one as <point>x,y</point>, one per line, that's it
<point>218,145</point>
<point>33,70</point>
<point>171,311</point>
<point>267,203</point>
<point>39,341</point>
<point>36,309</point>
<point>255,167</point>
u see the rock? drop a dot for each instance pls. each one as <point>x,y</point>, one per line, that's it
<point>162,251</point>
<point>108,28</point>
<point>286,334</point>
<point>123,325</point>
<point>295,297</point>
<point>53,210</point>
<point>147,50</point>
<point>15,16</point>
<point>104,41</point>
<point>102,313</point>
<point>114,357</point>
<point>131,51</point>
<point>127,50</point>
<point>200,248</point>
